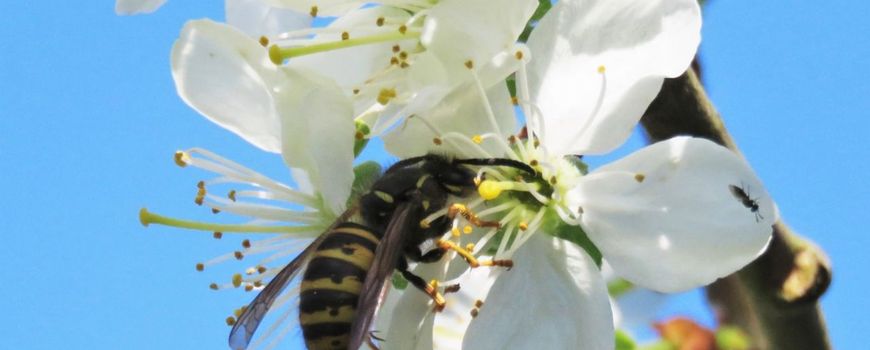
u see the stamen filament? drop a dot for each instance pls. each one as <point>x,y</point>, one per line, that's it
<point>147,218</point>
<point>278,54</point>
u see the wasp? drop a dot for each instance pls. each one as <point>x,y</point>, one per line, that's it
<point>742,195</point>
<point>347,268</point>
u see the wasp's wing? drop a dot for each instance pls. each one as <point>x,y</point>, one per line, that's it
<point>389,250</point>
<point>243,330</point>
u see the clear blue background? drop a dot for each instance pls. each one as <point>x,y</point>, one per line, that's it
<point>89,121</point>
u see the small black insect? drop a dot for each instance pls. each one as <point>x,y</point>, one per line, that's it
<point>742,195</point>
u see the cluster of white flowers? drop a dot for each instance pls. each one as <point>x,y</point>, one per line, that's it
<point>431,76</point>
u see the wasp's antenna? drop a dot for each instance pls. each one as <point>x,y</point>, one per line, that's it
<point>497,162</point>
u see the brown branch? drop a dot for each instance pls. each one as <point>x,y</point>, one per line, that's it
<point>775,298</point>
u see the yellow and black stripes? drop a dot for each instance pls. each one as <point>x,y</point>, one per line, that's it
<point>331,285</point>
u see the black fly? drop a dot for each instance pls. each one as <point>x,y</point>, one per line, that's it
<point>742,195</point>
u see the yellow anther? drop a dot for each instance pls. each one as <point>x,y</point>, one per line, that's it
<point>237,280</point>
<point>213,286</point>
<point>231,321</point>
<point>433,284</point>
<point>249,287</point>
<point>215,210</point>
<point>404,65</point>
<point>477,181</point>
<point>345,35</point>
<point>533,162</point>
<point>478,303</point>
<point>258,284</point>
<point>639,177</point>
<point>524,226</point>
<point>474,313</point>
<point>515,101</point>
<point>469,246</point>
<point>355,91</point>
<point>397,48</point>
<point>264,41</point>
<point>380,21</point>
<point>553,180</point>
<point>403,55</point>
<point>181,158</point>
<point>403,28</point>
<point>200,267</point>
<point>601,69</point>
<point>518,55</point>
<point>512,139</point>
<point>246,243</point>
<point>217,234</point>
<point>489,189</point>
<point>467,229</point>
<point>232,195</point>
<point>313,11</point>
<point>469,64</point>
<point>238,312</point>
<point>385,95</point>
<point>261,269</point>
<point>238,255</point>
<point>437,141</point>
<point>394,61</point>
<point>455,232</point>
<point>477,139</point>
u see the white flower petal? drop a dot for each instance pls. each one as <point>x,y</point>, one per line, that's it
<point>218,71</point>
<point>318,133</point>
<point>553,297</point>
<point>665,217</point>
<point>638,43</point>
<point>324,7</point>
<point>411,321</point>
<point>351,66</point>
<point>256,18</point>
<point>135,7</point>
<point>461,30</point>
<point>462,111</point>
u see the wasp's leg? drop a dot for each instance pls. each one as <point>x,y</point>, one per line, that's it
<point>469,215</point>
<point>472,261</point>
<point>431,289</point>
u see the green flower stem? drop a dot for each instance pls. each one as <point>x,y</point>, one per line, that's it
<point>278,54</point>
<point>147,218</point>
<point>775,298</point>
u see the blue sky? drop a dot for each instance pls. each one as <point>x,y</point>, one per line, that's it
<point>90,120</point>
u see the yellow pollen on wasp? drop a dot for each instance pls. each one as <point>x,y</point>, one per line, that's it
<point>524,225</point>
<point>455,232</point>
<point>601,69</point>
<point>433,284</point>
<point>181,158</point>
<point>385,95</point>
<point>237,280</point>
<point>467,229</point>
<point>477,139</point>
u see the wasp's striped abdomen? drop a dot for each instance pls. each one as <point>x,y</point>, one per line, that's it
<point>331,285</point>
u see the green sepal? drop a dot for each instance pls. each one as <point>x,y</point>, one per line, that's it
<point>543,7</point>
<point>624,341</point>
<point>399,281</point>
<point>554,225</point>
<point>364,175</point>
<point>732,338</point>
<point>361,138</point>
<point>619,287</point>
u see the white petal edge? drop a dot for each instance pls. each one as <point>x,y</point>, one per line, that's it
<point>256,18</point>
<point>221,73</point>
<point>554,295</point>
<point>638,43</point>
<point>136,7</point>
<point>665,218</point>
